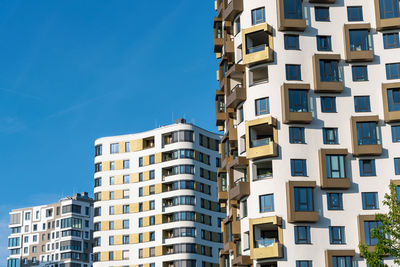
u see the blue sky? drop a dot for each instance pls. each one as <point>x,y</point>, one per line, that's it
<point>72,71</point>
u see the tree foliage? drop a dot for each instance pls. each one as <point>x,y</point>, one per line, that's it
<point>387,233</point>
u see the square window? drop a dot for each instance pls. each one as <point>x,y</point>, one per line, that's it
<point>329,70</point>
<point>397,166</point>
<point>267,203</point>
<point>296,135</point>
<point>335,201</point>
<point>303,263</point>
<point>298,100</point>
<point>324,43</point>
<point>335,166</point>
<point>370,200</point>
<point>303,199</point>
<point>354,13</point>
<point>393,71</point>
<point>298,167</point>
<point>293,72</point>
<point>292,42</point>
<point>391,40</point>
<point>328,104</point>
<point>302,235</point>
<point>322,13</point>
<point>262,106</point>
<point>114,148</point>
<point>362,104</point>
<point>360,73</point>
<point>396,133</point>
<point>258,16</point>
<point>336,235</point>
<point>330,136</point>
<point>367,167</point>
<point>367,133</point>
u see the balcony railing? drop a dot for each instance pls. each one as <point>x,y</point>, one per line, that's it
<point>260,142</point>
<point>265,242</point>
<point>243,179</point>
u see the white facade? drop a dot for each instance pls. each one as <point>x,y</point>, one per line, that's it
<point>134,201</point>
<point>319,244</point>
<point>55,235</point>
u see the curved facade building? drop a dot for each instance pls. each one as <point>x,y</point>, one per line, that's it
<point>156,198</point>
<point>309,103</point>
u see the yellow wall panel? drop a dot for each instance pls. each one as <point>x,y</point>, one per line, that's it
<point>118,194</point>
<point>146,221</point>
<point>121,147</point>
<point>146,206</point>
<point>146,237</point>
<point>136,145</point>
<point>146,176</point>
<point>146,160</point>
<point>118,255</point>
<point>119,164</point>
<point>158,219</point>
<point>105,165</point>
<point>158,158</point>
<point>146,191</point>
<point>134,207</point>
<point>118,179</point>
<point>134,238</point>
<point>104,226</point>
<point>118,225</point>
<point>117,240</point>
<point>134,178</point>
<point>158,188</point>
<point>159,251</point>
<point>118,209</point>
<point>146,252</point>
<point>105,195</point>
<point>104,256</point>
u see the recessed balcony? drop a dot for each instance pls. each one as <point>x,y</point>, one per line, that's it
<point>222,186</point>
<point>257,44</point>
<point>266,238</point>
<point>366,136</point>
<point>358,42</point>
<point>232,8</point>
<point>219,108</point>
<point>295,107</point>
<point>262,135</point>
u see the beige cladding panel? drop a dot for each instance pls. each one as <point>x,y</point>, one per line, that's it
<point>136,145</point>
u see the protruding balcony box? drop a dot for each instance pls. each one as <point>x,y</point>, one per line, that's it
<point>331,183</point>
<point>266,238</point>
<point>262,137</point>
<point>362,53</point>
<point>237,95</point>
<point>219,6</point>
<point>232,8</point>
<point>236,229</point>
<point>229,246</point>
<point>385,24</point>
<point>326,86</point>
<point>298,216</point>
<point>222,186</point>
<point>365,149</point>
<point>237,162</point>
<point>361,230</point>
<point>285,24</point>
<point>218,35</point>
<point>294,117</point>
<point>394,115</point>
<point>229,47</point>
<point>231,133</point>
<point>329,254</point>
<point>242,260</point>
<point>257,44</point>
<point>240,190</point>
<point>219,108</point>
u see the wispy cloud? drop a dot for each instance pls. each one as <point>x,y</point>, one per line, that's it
<point>76,107</point>
<point>9,125</point>
<point>18,93</point>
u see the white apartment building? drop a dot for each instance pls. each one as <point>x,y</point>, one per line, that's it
<point>54,235</point>
<point>309,103</point>
<point>156,198</point>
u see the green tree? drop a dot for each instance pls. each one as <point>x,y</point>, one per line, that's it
<point>387,233</point>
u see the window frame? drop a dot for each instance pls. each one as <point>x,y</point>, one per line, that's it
<point>365,201</point>
<point>331,205</point>
<point>287,42</point>
<point>362,103</point>
<point>359,13</point>
<point>324,107</point>
<point>328,141</point>
<point>254,16</point>
<point>264,200</point>
<point>325,14</point>
<point>298,234</point>
<point>365,172</point>
<point>301,134</point>
<point>303,167</point>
